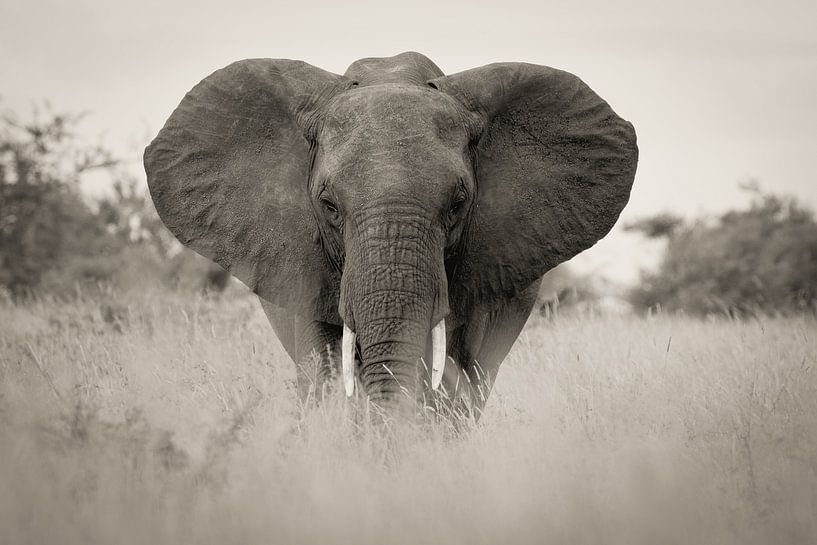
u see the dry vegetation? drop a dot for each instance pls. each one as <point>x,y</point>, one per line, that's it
<point>171,419</point>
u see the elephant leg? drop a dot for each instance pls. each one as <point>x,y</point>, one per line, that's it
<point>482,344</point>
<point>312,345</point>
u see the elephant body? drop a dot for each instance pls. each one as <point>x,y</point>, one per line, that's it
<point>392,215</point>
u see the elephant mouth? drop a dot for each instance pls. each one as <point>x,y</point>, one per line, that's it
<point>438,358</point>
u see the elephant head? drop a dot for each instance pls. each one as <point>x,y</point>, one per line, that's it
<point>391,200</point>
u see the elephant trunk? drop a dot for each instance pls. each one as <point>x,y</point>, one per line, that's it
<point>393,292</point>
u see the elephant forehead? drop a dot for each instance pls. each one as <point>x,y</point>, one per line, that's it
<point>392,114</point>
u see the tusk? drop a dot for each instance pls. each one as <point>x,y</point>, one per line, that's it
<point>348,360</point>
<point>438,354</point>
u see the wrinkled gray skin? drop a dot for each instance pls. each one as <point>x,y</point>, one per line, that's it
<point>390,198</point>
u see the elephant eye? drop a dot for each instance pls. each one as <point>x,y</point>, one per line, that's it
<point>330,208</point>
<point>457,204</point>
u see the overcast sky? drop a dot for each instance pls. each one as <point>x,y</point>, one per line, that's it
<point>720,92</point>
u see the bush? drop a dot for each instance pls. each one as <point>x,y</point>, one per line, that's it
<point>54,241</point>
<point>759,260</point>
<point>44,219</point>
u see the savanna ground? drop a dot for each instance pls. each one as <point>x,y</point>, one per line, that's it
<point>166,418</point>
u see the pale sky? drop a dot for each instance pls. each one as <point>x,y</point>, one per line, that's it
<point>719,92</point>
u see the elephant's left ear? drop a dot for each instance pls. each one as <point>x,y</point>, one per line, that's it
<point>229,176</point>
<point>554,168</point>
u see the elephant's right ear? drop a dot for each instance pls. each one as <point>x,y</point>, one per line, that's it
<point>229,176</point>
<point>554,168</point>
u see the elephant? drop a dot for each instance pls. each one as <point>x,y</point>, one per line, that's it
<point>395,215</point>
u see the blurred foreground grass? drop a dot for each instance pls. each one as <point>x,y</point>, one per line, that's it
<point>171,419</point>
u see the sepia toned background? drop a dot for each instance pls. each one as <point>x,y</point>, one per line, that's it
<point>661,392</point>
<point>720,93</point>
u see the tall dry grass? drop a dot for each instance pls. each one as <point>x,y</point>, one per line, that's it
<point>170,419</point>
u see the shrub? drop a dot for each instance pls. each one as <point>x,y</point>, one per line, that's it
<point>55,241</point>
<point>759,260</point>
